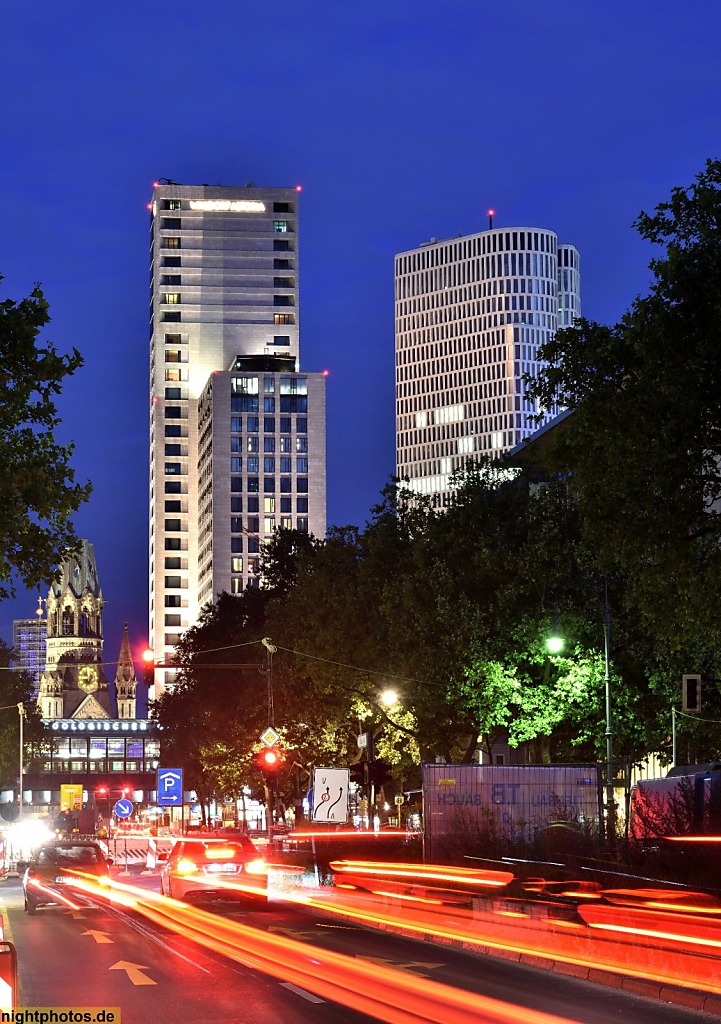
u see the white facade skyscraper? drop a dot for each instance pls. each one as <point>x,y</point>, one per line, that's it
<point>470,315</point>
<point>229,461</point>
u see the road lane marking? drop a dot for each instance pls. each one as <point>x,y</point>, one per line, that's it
<point>301,992</point>
<point>146,933</point>
<point>413,966</point>
<point>292,933</point>
<point>98,936</point>
<point>134,972</point>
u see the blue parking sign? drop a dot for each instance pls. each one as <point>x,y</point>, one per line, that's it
<point>170,787</point>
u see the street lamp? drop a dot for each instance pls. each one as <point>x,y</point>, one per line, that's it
<point>555,644</point>
<point>21,714</point>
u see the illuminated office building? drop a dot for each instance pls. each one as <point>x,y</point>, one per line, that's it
<point>224,330</point>
<point>470,315</point>
<point>29,637</point>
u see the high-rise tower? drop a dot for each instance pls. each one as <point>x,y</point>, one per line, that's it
<point>225,454</point>
<point>470,315</point>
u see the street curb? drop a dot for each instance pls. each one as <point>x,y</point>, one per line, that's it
<point>693,999</point>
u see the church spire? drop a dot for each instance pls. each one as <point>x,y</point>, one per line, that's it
<point>126,682</point>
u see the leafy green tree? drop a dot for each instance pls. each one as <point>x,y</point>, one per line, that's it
<point>38,493</point>
<point>644,441</point>
<point>17,687</point>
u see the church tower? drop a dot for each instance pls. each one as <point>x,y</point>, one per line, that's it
<point>126,683</point>
<point>74,684</point>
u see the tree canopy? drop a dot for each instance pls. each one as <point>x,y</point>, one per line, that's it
<point>38,492</point>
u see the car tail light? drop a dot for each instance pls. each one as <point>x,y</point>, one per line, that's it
<point>256,867</point>
<point>186,867</point>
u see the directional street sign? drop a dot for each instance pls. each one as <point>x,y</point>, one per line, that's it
<point>170,787</point>
<point>330,794</point>
<point>123,808</point>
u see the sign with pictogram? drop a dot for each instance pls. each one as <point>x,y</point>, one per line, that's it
<point>170,787</point>
<point>330,795</point>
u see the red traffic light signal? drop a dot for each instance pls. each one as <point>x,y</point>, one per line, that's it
<point>269,761</point>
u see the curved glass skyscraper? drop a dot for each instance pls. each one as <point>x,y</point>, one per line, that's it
<point>470,315</point>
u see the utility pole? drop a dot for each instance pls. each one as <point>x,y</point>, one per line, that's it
<point>21,714</point>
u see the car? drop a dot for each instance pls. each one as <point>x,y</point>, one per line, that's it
<point>56,865</point>
<point>215,868</point>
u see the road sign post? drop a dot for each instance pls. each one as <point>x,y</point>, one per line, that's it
<point>170,787</point>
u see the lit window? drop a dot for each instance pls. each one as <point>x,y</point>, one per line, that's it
<point>285,446</point>
<point>173,374</point>
<point>170,243</point>
<point>253,484</point>
<point>253,464</point>
<point>301,444</point>
<point>171,204</point>
<point>236,585</point>
<point>252,444</point>
<point>283,319</point>
<point>280,226</point>
<point>172,356</point>
<point>269,505</point>
<point>244,385</point>
<point>269,524</point>
<point>302,525</point>
<point>236,565</point>
<point>294,385</point>
<point>286,523</point>
<point>173,467</point>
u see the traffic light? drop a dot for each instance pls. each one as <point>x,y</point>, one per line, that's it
<point>270,761</point>
<point>148,666</point>
<point>379,773</point>
<point>691,694</point>
<point>357,773</point>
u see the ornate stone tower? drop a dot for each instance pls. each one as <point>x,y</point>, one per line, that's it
<point>73,684</point>
<point>126,683</point>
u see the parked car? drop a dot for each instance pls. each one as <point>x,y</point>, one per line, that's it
<point>59,864</point>
<point>212,867</point>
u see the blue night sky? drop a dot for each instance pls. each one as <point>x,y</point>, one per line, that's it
<point>401,119</point>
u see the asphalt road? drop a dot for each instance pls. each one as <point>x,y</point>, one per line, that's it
<point>75,959</point>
